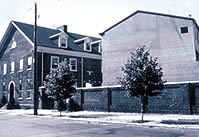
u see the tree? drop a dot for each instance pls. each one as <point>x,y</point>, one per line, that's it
<point>142,76</point>
<point>59,84</point>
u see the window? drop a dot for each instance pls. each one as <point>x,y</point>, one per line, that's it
<point>4,69</point>
<point>30,86</point>
<point>21,64</point>
<point>20,85</point>
<point>63,42</point>
<point>87,46</point>
<point>54,62</point>
<point>14,45</point>
<point>12,67</point>
<point>4,86</point>
<point>28,94</point>
<point>29,62</point>
<point>73,64</point>
<point>184,29</point>
<point>20,94</point>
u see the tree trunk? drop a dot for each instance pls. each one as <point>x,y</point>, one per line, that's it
<point>142,107</point>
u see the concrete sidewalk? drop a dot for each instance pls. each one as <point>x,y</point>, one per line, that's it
<point>151,120</point>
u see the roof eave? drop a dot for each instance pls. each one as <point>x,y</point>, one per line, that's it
<point>147,12</point>
<point>26,37</point>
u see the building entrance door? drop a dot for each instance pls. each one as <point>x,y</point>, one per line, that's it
<point>12,100</point>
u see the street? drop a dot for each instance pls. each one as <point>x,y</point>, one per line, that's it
<point>32,126</point>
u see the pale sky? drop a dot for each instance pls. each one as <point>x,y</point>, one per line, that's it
<point>88,17</point>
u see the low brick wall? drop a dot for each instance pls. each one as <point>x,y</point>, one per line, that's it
<point>174,99</point>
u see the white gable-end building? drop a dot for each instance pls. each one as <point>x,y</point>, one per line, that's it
<point>173,39</point>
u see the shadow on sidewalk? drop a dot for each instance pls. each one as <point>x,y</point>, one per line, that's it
<point>180,122</point>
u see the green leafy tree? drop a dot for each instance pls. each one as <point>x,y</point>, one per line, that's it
<point>142,76</point>
<point>59,84</point>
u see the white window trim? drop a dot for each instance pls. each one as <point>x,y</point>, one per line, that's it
<point>30,94</point>
<point>99,45</point>
<point>20,82</point>
<point>75,64</point>
<point>4,68</point>
<point>100,48</point>
<point>22,95</point>
<point>21,65</point>
<point>12,68</point>
<point>30,62</point>
<point>29,69</point>
<point>51,61</point>
<point>59,42</point>
<point>79,40</point>
<point>86,48</point>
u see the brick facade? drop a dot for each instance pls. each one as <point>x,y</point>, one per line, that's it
<point>17,86</point>
<point>174,99</point>
<point>22,51</point>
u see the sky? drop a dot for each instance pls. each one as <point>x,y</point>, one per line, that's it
<point>88,17</point>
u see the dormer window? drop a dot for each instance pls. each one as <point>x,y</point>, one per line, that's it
<point>87,44</point>
<point>63,41</point>
<point>97,46</point>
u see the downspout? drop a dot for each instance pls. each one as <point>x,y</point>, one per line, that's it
<point>42,68</point>
<point>82,71</point>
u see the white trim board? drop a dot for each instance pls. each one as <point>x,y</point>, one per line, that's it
<point>118,86</point>
<point>99,87</point>
<point>94,42</point>
<point>58,34</point>
<point>68,52</point>
<point>181,82</point>
<point>78,40</point>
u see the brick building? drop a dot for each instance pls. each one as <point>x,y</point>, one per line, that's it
<point>83,54</point>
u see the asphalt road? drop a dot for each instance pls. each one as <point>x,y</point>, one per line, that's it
<point>31,126</point>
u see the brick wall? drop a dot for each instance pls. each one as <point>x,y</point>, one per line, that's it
<point>22,51</point>
<point>174,99</point>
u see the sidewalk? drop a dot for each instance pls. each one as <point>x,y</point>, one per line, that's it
<point>151,120</point>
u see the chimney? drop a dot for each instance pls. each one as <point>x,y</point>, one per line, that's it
<point>63,28</point>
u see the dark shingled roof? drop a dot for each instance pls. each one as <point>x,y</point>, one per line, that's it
<point>43,35</point>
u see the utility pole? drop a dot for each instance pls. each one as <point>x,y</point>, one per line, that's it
<point>35,64</point>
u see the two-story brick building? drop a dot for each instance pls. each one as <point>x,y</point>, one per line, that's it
<point>83,54</point>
